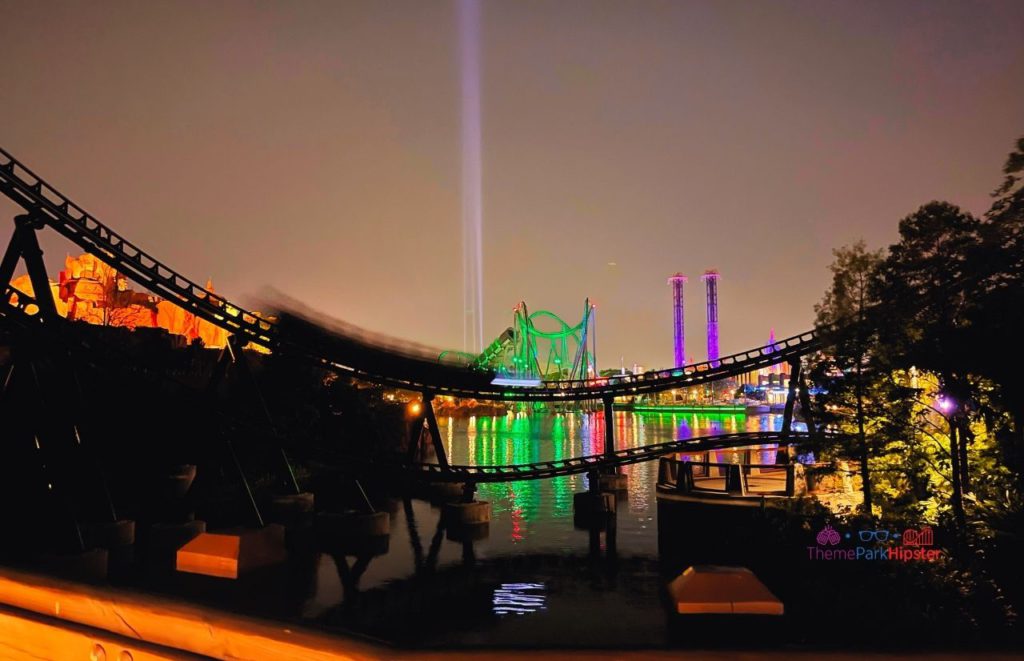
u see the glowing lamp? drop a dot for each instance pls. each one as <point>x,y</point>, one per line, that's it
<point>945,404</point>
<point>415,408</point>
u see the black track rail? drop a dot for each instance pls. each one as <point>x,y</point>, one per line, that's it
<point>376,364</point>
<point>19,309</point>
<point>600,462</point>
<point>338,352</point>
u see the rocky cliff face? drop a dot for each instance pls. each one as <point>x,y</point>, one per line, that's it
<point>91,291</point>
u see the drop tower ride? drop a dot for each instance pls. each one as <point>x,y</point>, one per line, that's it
<point>678,281</point>
<point>710,279</point>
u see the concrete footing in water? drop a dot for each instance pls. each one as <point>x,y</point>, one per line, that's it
<point>445,491</point>
<point>592,509</point>
<point>613,482</point>
<point>179,480</point>
<point>292,509</point>
<point>467,514</point>
<point>721,590</point>
<point>467,522</point>
<point>111,535</point>
<point>117,538</point>
<point>231,553</point>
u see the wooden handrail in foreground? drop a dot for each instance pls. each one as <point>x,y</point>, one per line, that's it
<point>172,624</point>
<point>31,637</point>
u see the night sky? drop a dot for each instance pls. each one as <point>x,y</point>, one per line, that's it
<point>315,148</point>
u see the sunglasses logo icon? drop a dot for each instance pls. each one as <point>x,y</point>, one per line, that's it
<point>868,535</point>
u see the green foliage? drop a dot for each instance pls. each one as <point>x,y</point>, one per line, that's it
<point>844,373</point>
<point>932,317</point>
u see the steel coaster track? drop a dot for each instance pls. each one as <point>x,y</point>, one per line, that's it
<point>440,379</point>
<point>337,352</point>
<point>20,307</point>
<point>93,351</point>
<point>45,204</point>
<point>18,313</point>
<point>573,466</point>
<point>101,354</point>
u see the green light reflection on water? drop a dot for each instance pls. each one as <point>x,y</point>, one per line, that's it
<point>525,438</point>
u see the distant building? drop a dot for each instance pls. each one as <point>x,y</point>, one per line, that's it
<point>772,379</point>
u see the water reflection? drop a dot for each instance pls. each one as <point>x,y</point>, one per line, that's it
<point>533,563</point>
<point>519,598</point>
<point>534,510</point>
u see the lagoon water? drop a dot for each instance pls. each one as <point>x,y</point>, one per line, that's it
<point>534,579</point>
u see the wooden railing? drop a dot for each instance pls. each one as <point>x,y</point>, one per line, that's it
<point>694,477</point>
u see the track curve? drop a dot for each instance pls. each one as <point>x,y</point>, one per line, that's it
<point>297,334</point>
<point>573,466</point>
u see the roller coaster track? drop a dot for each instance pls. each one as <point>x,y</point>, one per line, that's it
<point>20,310</point>
<point>426,375</point>
<point>585,464</point>
<point>297,335</point>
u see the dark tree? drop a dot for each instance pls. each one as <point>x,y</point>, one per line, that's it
<point>927,287</point>
<point>844,371</point>
<point>998,316</point>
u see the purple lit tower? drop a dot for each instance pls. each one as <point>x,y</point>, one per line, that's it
<point>677,281</point>
<point>710,279</point>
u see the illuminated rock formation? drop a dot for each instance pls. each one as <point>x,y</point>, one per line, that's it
<point>94,292</point>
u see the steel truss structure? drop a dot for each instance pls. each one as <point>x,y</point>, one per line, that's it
<point>525,352</point>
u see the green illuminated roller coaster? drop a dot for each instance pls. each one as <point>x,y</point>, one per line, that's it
<point>525,352</point>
